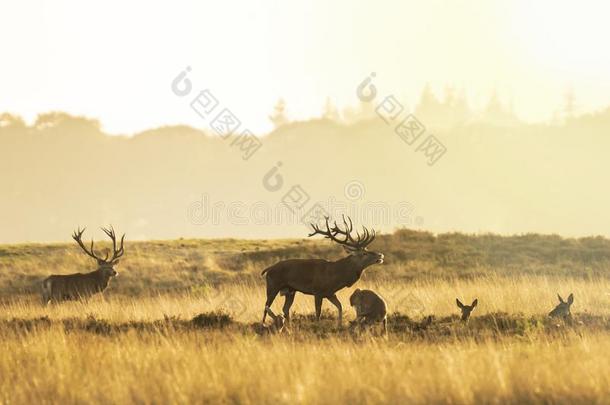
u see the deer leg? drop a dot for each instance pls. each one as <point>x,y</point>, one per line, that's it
<point>337,303</point>
<point>287,304</point>
<point>318,307</point>
<point>46,292</point>
<point>271,294</point>
<point>364,323</point>
<point>46,297</point>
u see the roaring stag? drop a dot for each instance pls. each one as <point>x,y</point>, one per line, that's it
<point>319,277</point>
<point>79,285</point>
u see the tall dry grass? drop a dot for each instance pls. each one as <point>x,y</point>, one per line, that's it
<point>529,295</point>
<point>139,344</point>
<point>57,365</point>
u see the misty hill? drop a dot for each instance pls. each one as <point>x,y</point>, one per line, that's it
<point>64,171</point>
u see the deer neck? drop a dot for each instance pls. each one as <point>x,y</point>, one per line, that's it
<point>348,265</point>
<point>103,278</point>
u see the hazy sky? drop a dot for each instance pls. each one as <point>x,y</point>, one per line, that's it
<point>115,60</point>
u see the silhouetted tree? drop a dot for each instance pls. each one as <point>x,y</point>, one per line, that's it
<point>330,111</point>
<point>460,108</point>
<point>569,106</point>
<point>56,119</point>
<point>495,113</point>
<point>453,110</point>
<point>11,120</point>
<point>278,117</point>
<point>428,110</point>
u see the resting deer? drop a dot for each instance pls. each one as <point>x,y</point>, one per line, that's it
<point>562,310</point>
<point>370,309</point>
<point>319,277</point>
<point>79,285</point>
<point>466,309</point>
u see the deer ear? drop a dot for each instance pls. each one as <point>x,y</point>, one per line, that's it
<point>570,299</point>
<point>459,303</point>
<point>475,302</point>
<point>560,299</point>
<point>349,249</point>
<point>117,261</point>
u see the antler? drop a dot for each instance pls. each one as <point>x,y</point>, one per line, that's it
<point>116,253</point>
<point>77,235</point>
<point>361,241</point>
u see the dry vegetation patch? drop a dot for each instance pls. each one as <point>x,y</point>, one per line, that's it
<point>178,326</point>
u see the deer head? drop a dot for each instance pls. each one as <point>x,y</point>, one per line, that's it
<point>105,265</point>
<point>466,309</point>
<point>562,310</point>
<point>355,247</point>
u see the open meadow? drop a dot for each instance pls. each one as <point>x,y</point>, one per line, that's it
<point>178,325</point>
<point>314,202</point>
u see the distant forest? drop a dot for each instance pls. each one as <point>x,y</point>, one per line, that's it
<point>498,174</point>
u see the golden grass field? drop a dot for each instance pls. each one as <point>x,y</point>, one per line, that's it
<point>177,345</point>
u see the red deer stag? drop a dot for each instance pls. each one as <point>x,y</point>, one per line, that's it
<point>319,277</point>
<point>79,285</point>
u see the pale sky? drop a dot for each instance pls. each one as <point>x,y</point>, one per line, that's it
<point>115,60</point>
